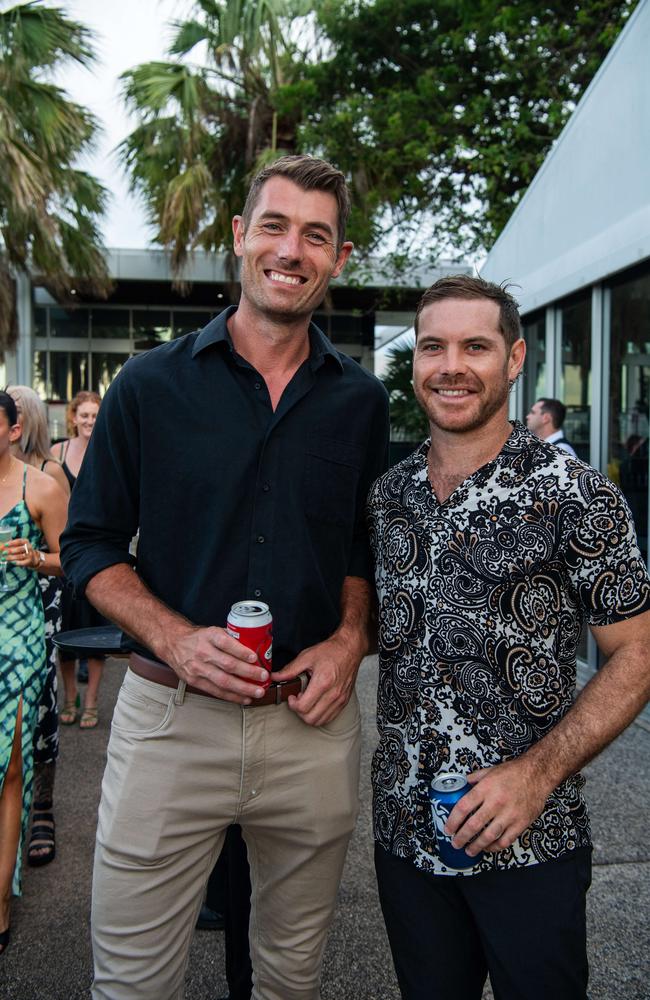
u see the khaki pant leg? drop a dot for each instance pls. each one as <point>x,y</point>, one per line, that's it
<point>170,789</point>
<point>297,826</point>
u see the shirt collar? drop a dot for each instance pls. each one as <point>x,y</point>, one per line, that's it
<point>216,332</point>
<point>555,436</point>
<point>519,439</point>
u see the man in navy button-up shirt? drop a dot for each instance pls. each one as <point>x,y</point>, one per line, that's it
<point>244,454</point>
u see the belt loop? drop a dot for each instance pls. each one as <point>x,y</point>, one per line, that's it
<point>179,696</point>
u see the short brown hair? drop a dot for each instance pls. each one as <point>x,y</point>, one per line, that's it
<point>464,286</point>
<point>82,397</point>
<point>556,409</point>
<point>310,174</point>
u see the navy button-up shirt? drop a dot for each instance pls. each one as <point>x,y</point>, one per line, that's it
<point>232,499</point>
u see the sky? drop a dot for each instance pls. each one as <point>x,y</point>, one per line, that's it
<point>127,32</point>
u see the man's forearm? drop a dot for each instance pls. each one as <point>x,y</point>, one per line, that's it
<point>120,595</point>
<point>604,708</point>
<point>357,597</point>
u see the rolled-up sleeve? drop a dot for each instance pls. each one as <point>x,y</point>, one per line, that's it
<point>103,514</point>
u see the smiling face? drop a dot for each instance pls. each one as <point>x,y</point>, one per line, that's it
<point>84,418</point>
<point>461,365</point>
<point>288,250</point>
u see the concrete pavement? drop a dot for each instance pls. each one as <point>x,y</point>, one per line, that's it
<point>49,957</point>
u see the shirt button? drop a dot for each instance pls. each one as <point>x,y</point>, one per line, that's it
<point>261,539</point>
<point>258,385</point>
<point>257,593</point>
<point>266,487</point>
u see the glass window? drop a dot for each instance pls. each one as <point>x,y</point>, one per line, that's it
<point>68,322</point>
<point>112,323</point>
<point>105,368</point>
<point>346,328</point>
<point>39,373</point>
<point>40,322</point>
<point>575,373</point>
<point>57,421</point>
<point>151,327</point>
<point>534,333</point>
<point>627,459</point>
<point>68,374</point>
<point>188,322</point>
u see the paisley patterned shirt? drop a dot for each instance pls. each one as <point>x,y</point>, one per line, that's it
<point>481,604</point>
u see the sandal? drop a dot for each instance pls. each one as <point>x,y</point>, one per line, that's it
<point>42,847</point>
<point>68,714</point>
<point>88,718</point>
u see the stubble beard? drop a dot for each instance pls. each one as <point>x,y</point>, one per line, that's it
<point>486,411</point>
<point>254,291</point>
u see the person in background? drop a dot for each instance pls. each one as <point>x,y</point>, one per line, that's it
<point>492,548</point>
<point>32,510</point>
<point>546,419</point>
<point>77,612</point>
<point>33,447</point>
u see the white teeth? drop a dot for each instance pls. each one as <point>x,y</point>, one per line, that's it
<point>453,392</point>
<point>288,279</point>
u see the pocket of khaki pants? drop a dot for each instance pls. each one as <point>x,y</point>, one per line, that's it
<point>345,722</point>
<point>137,715</point>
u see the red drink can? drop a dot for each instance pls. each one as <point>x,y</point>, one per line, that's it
<point>250,622</point>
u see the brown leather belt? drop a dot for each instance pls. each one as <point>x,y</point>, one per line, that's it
<point>160,673</point>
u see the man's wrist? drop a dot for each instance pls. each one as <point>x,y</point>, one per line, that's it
<point>355,638</point>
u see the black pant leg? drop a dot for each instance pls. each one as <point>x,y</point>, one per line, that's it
<point>532,922</point>
<point>239,971</point>
<point>215,896</point>
<point>436,949</point>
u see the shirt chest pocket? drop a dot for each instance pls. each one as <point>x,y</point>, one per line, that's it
<point>330,481</point>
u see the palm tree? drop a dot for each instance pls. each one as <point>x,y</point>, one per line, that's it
<point>408,420</point>
<point>204,129</point>
<point>49,210</point>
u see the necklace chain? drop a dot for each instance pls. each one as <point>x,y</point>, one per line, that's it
<point>6,477</point>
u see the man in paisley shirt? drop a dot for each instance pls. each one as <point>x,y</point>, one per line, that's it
<point>492,548</point>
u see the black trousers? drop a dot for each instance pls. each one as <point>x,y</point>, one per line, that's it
<point>525,926</point>
<point>229,892</point>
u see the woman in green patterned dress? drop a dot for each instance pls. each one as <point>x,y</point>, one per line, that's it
<point>32,508</point>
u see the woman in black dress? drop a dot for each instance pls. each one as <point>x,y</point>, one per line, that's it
<point>77,612</point>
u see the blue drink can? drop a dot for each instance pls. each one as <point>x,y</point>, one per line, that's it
<point>446,789</point>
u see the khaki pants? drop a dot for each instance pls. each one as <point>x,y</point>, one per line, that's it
<point>181,768</point>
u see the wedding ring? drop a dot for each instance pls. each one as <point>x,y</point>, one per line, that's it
<point>26,549</point>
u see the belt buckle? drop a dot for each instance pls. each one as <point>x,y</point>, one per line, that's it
<point>303,678</point>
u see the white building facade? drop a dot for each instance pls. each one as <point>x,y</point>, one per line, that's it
<point>577,248</point>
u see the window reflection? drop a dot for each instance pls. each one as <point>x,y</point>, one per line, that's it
<point>534,333</point>
<point>628,455</point>
<point>68,322</point>
<point>40,322</point>
<point>575,375</point>
<point>68,374</point>
<point>110,323</point>
<point>151,327</point>
<point>39,373</point>
<point>188,322</point>
<point>105,366</point>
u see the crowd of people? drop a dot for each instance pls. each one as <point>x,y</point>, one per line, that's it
<point>473,565</point>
